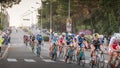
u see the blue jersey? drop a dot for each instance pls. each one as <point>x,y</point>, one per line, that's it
<point>54,39</point>
<point>39,38</point>
<point>80,40</point>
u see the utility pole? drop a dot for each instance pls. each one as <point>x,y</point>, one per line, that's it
<point>1,14</point>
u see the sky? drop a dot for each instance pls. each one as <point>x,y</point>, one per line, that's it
<point>17,13</point>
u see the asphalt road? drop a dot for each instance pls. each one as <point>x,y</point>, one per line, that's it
<point>20,56</point>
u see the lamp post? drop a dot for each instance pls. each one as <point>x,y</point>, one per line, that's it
<point>69,21</point>
<point>50,17</point>
<point>1,15</point>
<point>69,9</point>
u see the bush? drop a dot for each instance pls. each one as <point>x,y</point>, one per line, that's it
<point>88,38</point>
<point>46,38</point>
<point>1,27</point>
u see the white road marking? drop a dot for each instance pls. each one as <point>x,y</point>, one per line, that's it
<point>29,60</point>
<point>6,51</point>
<point>106,61</point>
<point>87,61</point>
<point>48,60</point>
<point>11,60</point>
<point>61,60</point>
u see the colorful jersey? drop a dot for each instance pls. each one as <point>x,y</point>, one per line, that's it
<point>54,39</point>
<point>80,40</point>
<point>114,44</point>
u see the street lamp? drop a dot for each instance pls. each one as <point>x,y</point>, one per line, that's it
<point>69,21</point>
<point>1,15</point>
<point>50,16</point>
<point>69,9</point>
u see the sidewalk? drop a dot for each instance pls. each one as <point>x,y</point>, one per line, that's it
<point>3,50</point>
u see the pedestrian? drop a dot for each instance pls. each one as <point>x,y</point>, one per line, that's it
<point>1,41</point>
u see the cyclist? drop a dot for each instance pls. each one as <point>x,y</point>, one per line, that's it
<point>26,39</point>
<point>69,45</point>
<point>53,42</point>
<point>82,43</point>
<point>95,45</point>
<point>39,39</point>
<point>61,42</point>
<point>113,46</point>
<point>32,42</point>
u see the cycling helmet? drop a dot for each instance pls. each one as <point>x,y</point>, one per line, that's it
<point>55,34</point>
<point>69,34</point>
<point>101,36</point>
<point>117,36</point>
<point>82,34</point>
<point>63,34</point>
<point>96,35</point>
<point>73,35</point>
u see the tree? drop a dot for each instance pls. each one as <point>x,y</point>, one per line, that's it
<point>101,15</point>
<point>9,3</point>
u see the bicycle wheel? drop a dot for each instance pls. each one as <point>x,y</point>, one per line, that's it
<point>54,56</point>
<point>82,60</point>
<point>92,65</point>
<point>109,66</point>
<point>101,62</point>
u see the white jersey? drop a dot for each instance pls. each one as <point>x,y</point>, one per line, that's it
<point>112,40</point>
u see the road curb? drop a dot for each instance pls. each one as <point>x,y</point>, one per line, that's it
<point>5,52</point>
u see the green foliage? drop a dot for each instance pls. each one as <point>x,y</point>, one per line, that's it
<point>46,38</point>
<point>101,15</point>
<point>9,3</point>
<point>1,27</point>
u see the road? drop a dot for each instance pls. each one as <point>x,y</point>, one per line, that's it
<point>20,56</point>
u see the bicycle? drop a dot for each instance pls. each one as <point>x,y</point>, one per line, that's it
<point>53,54</point>
<point>81,57</point>
<point>98,59</point>
<point>69,55</point>
<point>38,50</point>
<point>101,59</point>
<point>117,65</point>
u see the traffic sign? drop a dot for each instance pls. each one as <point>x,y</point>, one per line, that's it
<point>68,27</point>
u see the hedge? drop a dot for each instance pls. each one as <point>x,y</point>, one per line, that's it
<point>46,38</point>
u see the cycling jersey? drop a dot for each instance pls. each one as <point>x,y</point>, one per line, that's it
<point>54,40</point>
<point>39,38</point>
<point>69,40</point>
<point>114,46</point>
<point>96,44</point>
<point>61,39</point>
<point>113,43</point>
<point>80,41</point>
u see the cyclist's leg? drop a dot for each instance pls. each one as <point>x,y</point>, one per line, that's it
<point>93,53</point>
<point>115,58</point>
<point>86,44</point>
<point>92,49</point>
<point>110,57</point>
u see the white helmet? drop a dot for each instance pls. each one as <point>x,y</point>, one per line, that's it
<point>101,36</point>
<point>63,34</point>
<point>69,34</point>
<point>117,36</point>
<point>55,34</point>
